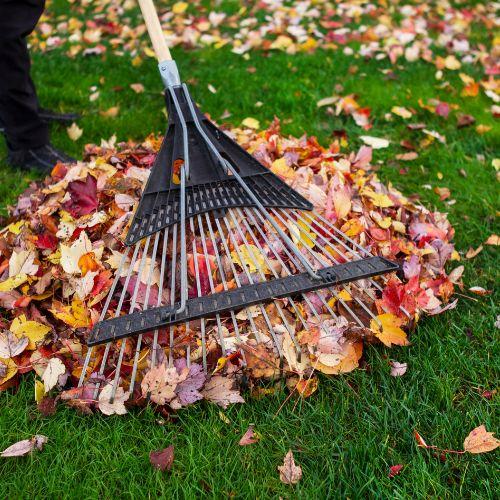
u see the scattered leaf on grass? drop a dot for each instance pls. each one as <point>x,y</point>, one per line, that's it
<point>24,447</point>
<point>290,473</point>
<point>162,459</point>
<point>479,290</point>
<point>250,436</point>
<point>74,132</point>
<point>398,369</point>
<point>480,441</point>
<point>375,142</point>
<point>394,470</point>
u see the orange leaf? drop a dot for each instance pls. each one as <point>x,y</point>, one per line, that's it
<point>88,263</point>
<point>388,331</point>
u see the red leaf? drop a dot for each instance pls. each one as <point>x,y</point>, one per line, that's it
<point>46,241</point>
<point>395,470</point>
<point>162,459</point>
<point>83,199</point>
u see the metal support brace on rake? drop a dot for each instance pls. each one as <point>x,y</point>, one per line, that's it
<point>252,241</point>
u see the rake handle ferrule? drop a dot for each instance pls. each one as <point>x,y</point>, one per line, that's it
<point>155,31</point>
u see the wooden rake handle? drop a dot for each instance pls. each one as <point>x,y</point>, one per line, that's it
<point>155,31</point>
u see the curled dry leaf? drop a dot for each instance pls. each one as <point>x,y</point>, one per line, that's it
<point>480,441</point>
<point>398,369</point>
<point>24,447</point>
<point>55,368</point>
<point>290,473</point>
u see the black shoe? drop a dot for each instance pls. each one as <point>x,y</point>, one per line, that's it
<point>41,159</point>
<point>50,116</point>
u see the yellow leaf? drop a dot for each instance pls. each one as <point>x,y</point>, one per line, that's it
<point>75,315</point>
<point>480,441</point>
<point>39,390</point>
<point>301,234</point>
<point>11,283</point>
<point>15,227</point>
<point>280,168</point>
<point>378,199</point>
<point>251,123</point>
<point>179,7</point>
<point>402,112</point>
<point>251,257</point>
<point>388,332</point>
<point>34,330</point>
<point>344,295</point>
<point>11,369</point>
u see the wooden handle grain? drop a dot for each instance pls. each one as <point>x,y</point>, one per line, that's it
<point>154,29</point>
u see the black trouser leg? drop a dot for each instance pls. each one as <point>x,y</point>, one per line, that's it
<point>18,100</point>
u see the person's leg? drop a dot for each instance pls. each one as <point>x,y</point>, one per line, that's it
<point>18,100</point>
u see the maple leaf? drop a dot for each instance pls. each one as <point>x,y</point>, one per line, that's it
<point>220,391</point>
<point>117,406</point>
<point>480,441</point>
<point>162,459</point>
<point>33,330</point>
<point>71,255</point>
<point>24,447</point>
<point>290,473</point>
<point>159,384</point>
<point>388,330</point>
<point>83,197</point>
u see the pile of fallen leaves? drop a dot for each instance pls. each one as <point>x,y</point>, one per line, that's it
<point>58,260</point>
<point>436,31</point>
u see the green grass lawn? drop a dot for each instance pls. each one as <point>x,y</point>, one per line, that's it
<point>356,426</point>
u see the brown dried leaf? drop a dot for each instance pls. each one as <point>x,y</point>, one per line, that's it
<point>290,473</point>
<point>220,391</point>
<point>24,447</point>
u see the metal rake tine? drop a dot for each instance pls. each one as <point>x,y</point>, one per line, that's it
<point>160,292</point>
<point>103,313</point>
<point>173,263</point>
<point>198,291</point>
<point>323,262</point>
<point>117,313</point>
<point>236,278</point>
<point>211,282</point>
<point>146,305</point>
<point>357,246</point>
<point>133,302</point>
<point>224,281</point>
<point>250,279</point>
<point>255,263</point>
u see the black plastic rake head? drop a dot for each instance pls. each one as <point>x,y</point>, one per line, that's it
<point>192,141</point>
